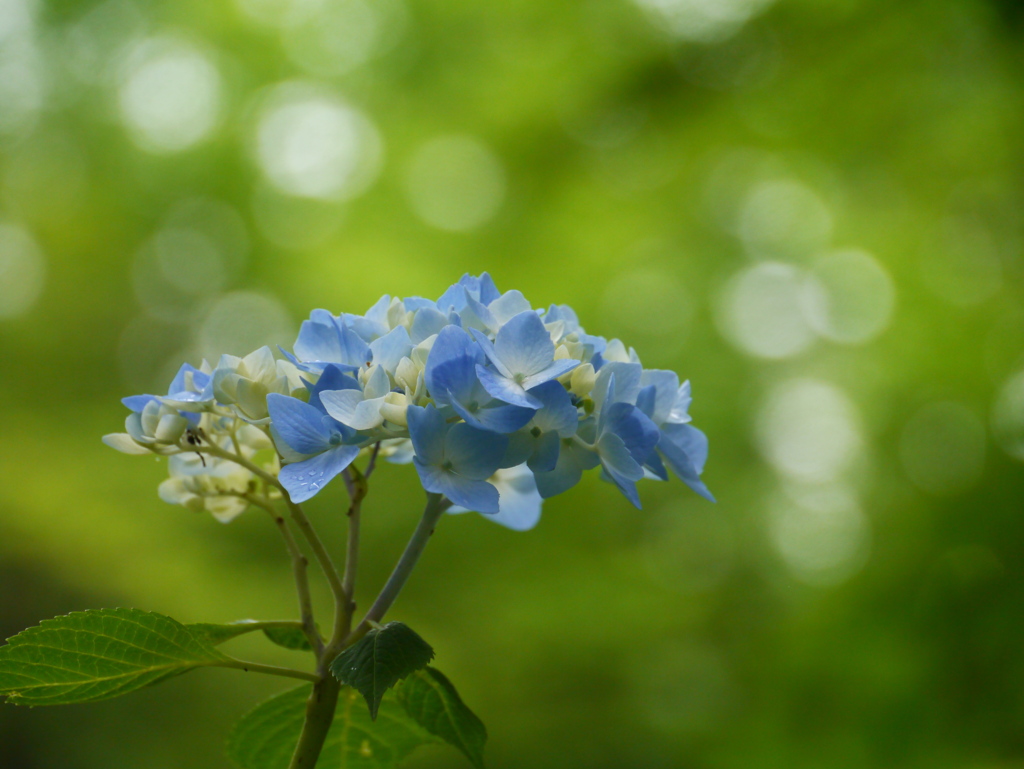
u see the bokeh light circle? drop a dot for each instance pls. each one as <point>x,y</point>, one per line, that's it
<point>783,219</point>
<point>242,321</point>
<point>22,271</point>
<point>760,311</point>
<point>311,143</point>
<point>849,297</point>
<point>808,430</point>
<point>1008,416</point>
<point>170,94</point>
<point>455,183</point>
<point>820,532</point>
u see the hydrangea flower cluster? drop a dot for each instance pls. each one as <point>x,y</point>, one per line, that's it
<point>497,405</point>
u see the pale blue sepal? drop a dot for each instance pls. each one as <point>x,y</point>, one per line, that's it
<point>685,449</point>
<point>506,390</point>
<point>318,342</point>
<point>389,349</point>
<point>508,305</point>
<point>428,321</point>
<point>519,503</point>
<point>304,479</point>
<point>465,492</point>
<point>552,371</point>
<point>138,402</point>
<point>545,454</point>
<point>300,425</point>
<point>502,419</point>
<point>523,345</point>
<point>427,430</point>
<point>572,462</point>
<point>332,378</point>
<point>666,388</point>
<point>557,412</point>
<point>474,453</point>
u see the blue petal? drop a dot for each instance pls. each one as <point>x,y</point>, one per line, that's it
<point>428,321</point>
<point>288,454</point>
<point>482,289</point>
<point>639,434</point>
<point>332,378</point>
<point>300,425</point>
<point>389,349</point>
<point>474,453</point>
<point>554,370</point>
<point>487,292</point>
<point>138,402</point>
<point>318,342</point>
<point>341,404</point>
<point>572,461</point>
<point>557,412</point>
<point>691,440</point>
<point>476,315</point>
<point>646,400</point>
<point>626,386</point>
<point>505,389</point>
<point>465,492</point>
<point>519,503</point>
<point>451,365</point>
<point>545,455</point>
<point>523,344</point>
<point>666,387</point>
<point>656,466</point>
<point>487,346</point>
<point>499,419</point>
<point>354,351</point>
<point>685,449</point>
<point>508,305</point>
<point>427,429</point>
<point>521,446</point>
<point>617,459</point>
<point>626,485</point>
<point>304,479</point>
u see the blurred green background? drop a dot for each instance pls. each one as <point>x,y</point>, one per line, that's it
<point>811,209</point>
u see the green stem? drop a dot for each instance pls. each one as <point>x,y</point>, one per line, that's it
<point>299,572</point>
<point>359,489</point>
<point>436,505</point>
<point>320,707</point>
<point>256,667</point>
<point>323,558</point>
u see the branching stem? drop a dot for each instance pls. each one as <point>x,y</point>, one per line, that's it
<point>256,667</point>
<point>299,572</point>
<point>436,505</point>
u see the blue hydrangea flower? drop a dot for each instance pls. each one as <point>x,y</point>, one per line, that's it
<point>456,459</point>
<point>451,379</point>
<point>523,357</point>
<point>498,404</point>
<point>308,431</point>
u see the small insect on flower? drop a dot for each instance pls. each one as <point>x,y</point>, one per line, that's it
<point>193,438</point>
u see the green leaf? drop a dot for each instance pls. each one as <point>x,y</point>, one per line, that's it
<point>430,699</point>
<point>214,634</point>
<point>266,736</point>
<point>93,655</point>
<point>290,635</point>
<point>380,660</point>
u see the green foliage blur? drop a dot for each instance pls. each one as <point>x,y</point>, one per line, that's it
<point>813,210</point>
